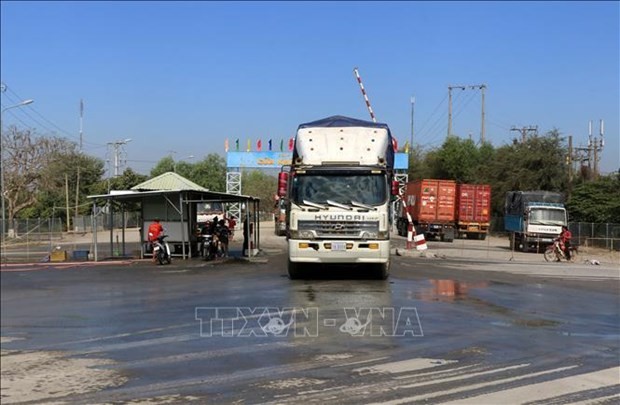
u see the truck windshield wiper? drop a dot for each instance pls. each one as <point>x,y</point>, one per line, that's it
<point>313,204</point>
<point>339,205</point>
<point>362,205</point>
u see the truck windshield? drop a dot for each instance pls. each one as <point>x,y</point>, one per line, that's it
<point>364,188</point>
<point>547,216</point>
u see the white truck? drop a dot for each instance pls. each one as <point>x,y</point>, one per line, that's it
<point>338,192</point>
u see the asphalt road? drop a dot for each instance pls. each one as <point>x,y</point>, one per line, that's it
<point>453,328</point>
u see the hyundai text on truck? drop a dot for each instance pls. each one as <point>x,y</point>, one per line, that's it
<point>533,218</point>
<point>338,193</point>
<point>431,205</point>
<point>473,210</point>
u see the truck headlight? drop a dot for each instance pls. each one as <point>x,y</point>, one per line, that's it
<point>369,235</point>
<point>374,235</point>
<point>301,234</point>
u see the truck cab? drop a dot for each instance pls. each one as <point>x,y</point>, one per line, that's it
<point>338,195</point>
<point>534,219</point>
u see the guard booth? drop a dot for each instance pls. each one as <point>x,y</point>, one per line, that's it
<point>172,199</point>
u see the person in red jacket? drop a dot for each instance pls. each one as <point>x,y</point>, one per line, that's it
<point>565,237</point>
<point>155,231</point>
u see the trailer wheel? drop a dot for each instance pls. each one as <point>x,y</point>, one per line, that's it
<point>482,236</point>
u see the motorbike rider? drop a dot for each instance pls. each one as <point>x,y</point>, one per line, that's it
<point>213,225</point>
<point>155,231</point>
<point>223,232</point>
<point>565,237</point>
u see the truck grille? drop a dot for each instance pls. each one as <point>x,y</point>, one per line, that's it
<point>339,229</point>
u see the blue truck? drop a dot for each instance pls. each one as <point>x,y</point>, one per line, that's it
<point>533,218</point>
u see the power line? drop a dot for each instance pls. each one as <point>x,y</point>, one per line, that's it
<point>47,124</point>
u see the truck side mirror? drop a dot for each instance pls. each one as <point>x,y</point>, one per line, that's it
<point>282,184</point>
<point>395,187</point>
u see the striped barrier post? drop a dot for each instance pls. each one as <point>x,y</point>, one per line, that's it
<point>420,242</point>
<point>410,232</point>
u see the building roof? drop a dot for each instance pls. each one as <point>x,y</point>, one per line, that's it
<point>168,181</point>
<point>171,183</point>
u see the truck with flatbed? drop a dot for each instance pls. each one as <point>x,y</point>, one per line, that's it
<point>533,218</point>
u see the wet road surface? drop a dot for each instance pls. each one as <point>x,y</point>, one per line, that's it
<point>238,332</point>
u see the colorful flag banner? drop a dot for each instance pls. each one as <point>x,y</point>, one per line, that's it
<point>259,145</point>
<point>407,147</point>
<point>237,144</point>
<point>270,145</point>
<point>395,144</point>
<point>291,144</point>
<point>226,145</point>
<point>249,145</point>
<point>281,145</point>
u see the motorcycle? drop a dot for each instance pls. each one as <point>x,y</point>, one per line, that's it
<point>161,250</point>
<point>555,252</point>
<point>206,248</point>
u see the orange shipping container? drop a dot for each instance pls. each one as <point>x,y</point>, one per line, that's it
<point>474,203</point>
<point>431,200</point>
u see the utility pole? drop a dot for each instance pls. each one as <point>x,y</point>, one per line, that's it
<point>116,145</point>
<point>2,165</point>
<point>450,106</point>
<point>81,119</point>
<point>482,87</point>
<point>77,183</point>
<point>569,163</point>
<point>590,153</point>
<point>525,130</point>
<point>412,108</point>
<point>67,201</point>
<point>598,145</point>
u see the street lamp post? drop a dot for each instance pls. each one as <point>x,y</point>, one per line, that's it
<point>21,104</point>
<point>174,162</point>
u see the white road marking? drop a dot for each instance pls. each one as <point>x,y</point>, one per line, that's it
<point>403,366</point>
<point>360,362</point>
<point>502,396</point>
<point>550,389</point>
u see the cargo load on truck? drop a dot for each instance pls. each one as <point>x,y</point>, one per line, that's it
<point>473,210</point>
<point>533,218</point>
<point>338,194</point>
<point>431,205</point>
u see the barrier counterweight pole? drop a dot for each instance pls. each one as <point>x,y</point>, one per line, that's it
<point>359,81</point>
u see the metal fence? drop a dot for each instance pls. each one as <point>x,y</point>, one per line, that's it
<point>35,239</point>
<point>588,234</point>
<point>29,240</point>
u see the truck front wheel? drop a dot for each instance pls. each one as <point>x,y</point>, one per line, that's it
<point>383,270</point>
<point>294,270</point>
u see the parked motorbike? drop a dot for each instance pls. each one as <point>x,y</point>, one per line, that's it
<point>206,248</point>
<point>555,252</point>
<point>161,250</point>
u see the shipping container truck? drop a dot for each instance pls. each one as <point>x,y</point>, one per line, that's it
<point>431,204</point>
<point>533,218</point>
<point>473,210</point>
<point>338,194</point>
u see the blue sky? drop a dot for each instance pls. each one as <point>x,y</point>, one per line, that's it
<point>180,77</point>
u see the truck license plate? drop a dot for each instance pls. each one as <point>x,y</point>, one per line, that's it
<point>339,246</point>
